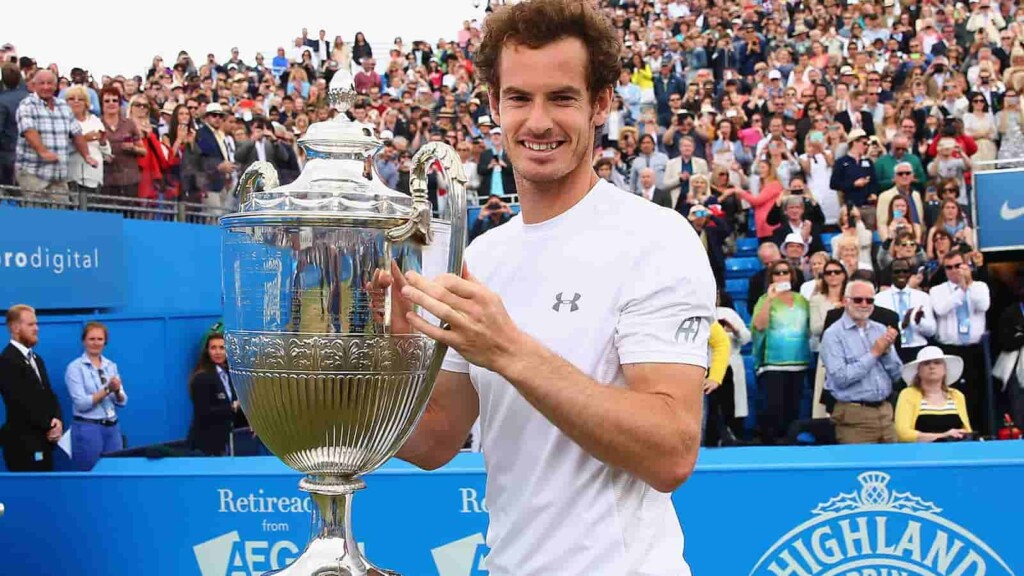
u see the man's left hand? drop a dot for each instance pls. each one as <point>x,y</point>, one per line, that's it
<point>479,327</point>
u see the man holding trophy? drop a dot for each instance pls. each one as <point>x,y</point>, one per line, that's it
<point>579,331</point>
<point>579,339</point>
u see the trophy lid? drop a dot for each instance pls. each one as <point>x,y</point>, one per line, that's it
<point>338,183</point>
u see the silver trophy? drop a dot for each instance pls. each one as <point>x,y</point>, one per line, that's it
<point>328,377</point>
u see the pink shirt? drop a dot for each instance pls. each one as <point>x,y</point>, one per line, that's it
<point>762,204</point>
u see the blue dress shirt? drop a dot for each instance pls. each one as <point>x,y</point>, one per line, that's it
<point>83,380</point>
<point>852,372</point>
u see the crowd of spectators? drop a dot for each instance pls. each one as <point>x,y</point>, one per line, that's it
<point>844,135</point>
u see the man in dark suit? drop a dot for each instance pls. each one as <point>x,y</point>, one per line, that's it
<point>495,162</point>
<point>858,118</point>
<point>262,146</point>
<point>11,95</point>
<point>33,423</point>
<point>213,154</point>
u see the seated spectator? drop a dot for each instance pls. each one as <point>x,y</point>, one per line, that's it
<point>861,365</point>
<point>781,353</point>
<point>96,391</point>
<point>898,218</point>
<point>848,253</point>
<point>215,407</point>
<point>928,410</point>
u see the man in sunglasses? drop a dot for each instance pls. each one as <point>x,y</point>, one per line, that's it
<point>861,366</point>
<point>960,305</point>
<point>917,323</point>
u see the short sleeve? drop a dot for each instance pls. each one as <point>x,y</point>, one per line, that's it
<point>26,117</point>
<point>668,302</point>
<point>454,362</point>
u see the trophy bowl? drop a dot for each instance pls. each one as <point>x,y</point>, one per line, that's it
<point>326,370</point>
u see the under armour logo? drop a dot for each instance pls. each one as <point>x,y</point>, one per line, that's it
<point>573,306</point>
<point>688,330</point>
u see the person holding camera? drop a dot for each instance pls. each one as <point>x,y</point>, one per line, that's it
<point>928,410</point>
<point>960,304</point>
<point>96,391</point>
<point>493,214</point>
<point>781,353</point>
<point>861,365</point>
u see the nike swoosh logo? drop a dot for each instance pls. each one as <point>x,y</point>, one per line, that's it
<point>1007,213</point>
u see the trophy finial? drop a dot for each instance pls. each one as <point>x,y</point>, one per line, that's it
<point>342,91</point>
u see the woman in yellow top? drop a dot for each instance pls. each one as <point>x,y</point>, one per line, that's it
<point>719,348</point>
<point>929,410</point>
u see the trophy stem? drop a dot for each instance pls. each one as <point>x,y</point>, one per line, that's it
<point>331,550</point>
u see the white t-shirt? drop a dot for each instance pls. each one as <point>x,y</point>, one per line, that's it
<point>614,280</point>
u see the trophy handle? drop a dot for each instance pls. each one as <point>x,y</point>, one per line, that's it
<point>259,176</point>
<point>418,224</point>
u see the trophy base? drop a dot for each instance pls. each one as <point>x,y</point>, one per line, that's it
<point>331,550</point>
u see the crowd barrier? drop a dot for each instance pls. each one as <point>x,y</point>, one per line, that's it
<point>940,509</point>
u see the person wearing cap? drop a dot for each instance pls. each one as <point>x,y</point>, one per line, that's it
<point>794,251</point>
<point>928,410</point>
<point>216,167</point>
<point>861,366</point>
<point>854,174</point>
<point>666,84</point>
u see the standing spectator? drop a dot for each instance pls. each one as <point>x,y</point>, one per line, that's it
<point>904,173</point>
<point>215,408</point>
<point>367,77</point>
<point>912,305</point>
<point>728,404</point>
<point>153,160</point>
<point>829,294</point>
<point>1009,121</point>
<point>770,189</point>
<point>86,177</point>
<point>648,157</point>
<point>861,365</point>
<point>121,174</point>
<point>180,143</point>
<point>12,93</point>
<point>885,167</point>
<point>816,164</point>
<point>96,391</point>
<point>260,146</point>
<point>495,170</point>
<point>361,49</point>
<point>215,162</point>
<point>676,177</point>
<point>80,78</point>
<point>34,423</point>
<point>854,174</point>
<point>960,305</point>
<point>47,127</point>
<point>781,353</point>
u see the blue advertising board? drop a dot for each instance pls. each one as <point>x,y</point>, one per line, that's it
<point>948,510</point>
<point>61,259</point>
<point>998,207</point>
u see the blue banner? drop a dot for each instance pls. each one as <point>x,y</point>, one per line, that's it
<point>939,510</point>
<point>60,259</point>
<point>999,210</point>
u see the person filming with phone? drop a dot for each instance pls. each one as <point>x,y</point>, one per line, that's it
<point>861,364</point>
<point>493,214</point>
<point>781,351</point>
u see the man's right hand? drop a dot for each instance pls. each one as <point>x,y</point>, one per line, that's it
<point>48,157</point>
<point>883,343</point>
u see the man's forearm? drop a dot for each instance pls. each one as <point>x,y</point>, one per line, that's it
<point>639,432</point>
<point>36,142</point>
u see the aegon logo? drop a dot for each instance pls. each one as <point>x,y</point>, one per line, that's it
<point>878,532</point>
<point>229,555</point>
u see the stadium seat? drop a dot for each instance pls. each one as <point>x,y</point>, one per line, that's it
<point>826,239</point>
<point>737,287</point>
<point>741,267</point>
<point>746,247</point>
<point>741,309</point>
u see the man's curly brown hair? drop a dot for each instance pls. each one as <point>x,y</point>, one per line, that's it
<point>537,23</point>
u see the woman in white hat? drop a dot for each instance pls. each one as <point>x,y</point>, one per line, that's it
<point>928,410</point>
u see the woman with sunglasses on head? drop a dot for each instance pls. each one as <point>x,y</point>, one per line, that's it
<point>94,385</point>
<point>781,352</point>
<point>828,294</point>
<point>928,410</point>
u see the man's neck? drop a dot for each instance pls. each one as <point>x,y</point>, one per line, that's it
<point>542,201</point>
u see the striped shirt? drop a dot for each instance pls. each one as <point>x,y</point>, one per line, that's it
<point>55,126</point>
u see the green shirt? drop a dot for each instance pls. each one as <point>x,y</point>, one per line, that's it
<point>785,343</point>
<point>885,167</point>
